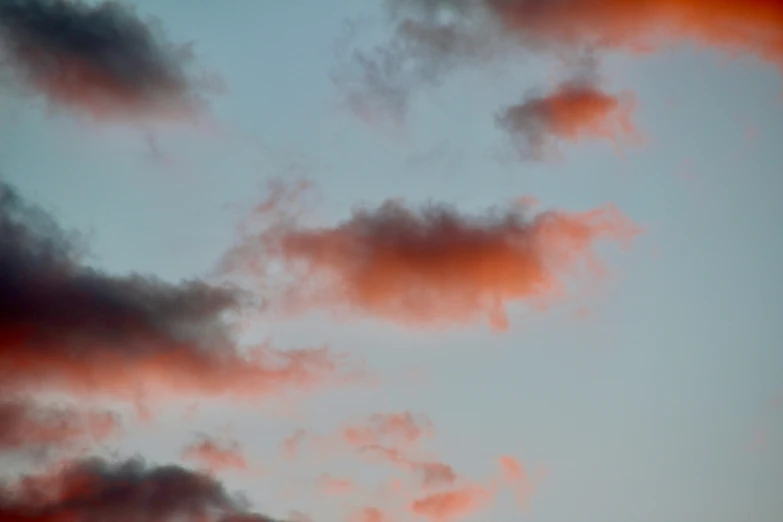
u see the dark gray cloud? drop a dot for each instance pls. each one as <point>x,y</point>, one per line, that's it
<point>430,39</point>
<point>66,326</point>
<point>99,59</point>
<point>130,491</point>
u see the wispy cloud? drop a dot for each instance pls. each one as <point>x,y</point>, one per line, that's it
<point>216,454</point>
<point>30,427</point>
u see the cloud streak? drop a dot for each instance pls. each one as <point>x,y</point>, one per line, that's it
<point>100,60</point>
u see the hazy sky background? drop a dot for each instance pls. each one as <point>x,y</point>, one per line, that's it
<point>651,399</point>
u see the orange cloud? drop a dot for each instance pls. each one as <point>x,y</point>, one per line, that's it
<point>369,514</point>
<point>512,469</point>
<point>428,266</point>
<point>402,428</point>
<point>432,39</point>
<point>159,368</point>
<point>515,476</point>
<point>433,474</point>
<point>452,504</point>
<point>334,486</point>
<point>752,26</point>
<point>574,111</point>
<point>216,455</point>
<point>382,434</point>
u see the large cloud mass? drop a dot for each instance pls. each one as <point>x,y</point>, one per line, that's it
<point>131,491</point>
<point>67,327</point>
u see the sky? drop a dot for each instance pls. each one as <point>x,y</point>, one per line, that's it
<point>386,261</point>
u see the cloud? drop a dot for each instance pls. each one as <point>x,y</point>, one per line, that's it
<point>752,27</point>
<point>292,444</point>
<point>377,84</point>
<point>433,474</point>
<point>451,504</point>
<point>397,428</point>
<point>129,490</point>
<point>390,436</point>
<point>99,59</point>
<point>216,455</point>
<point>574,25</point>
<point>67,327</point>
<point>335,486</point>
<point>369,514</point>
<point>515,475</point>
<point>577,109</point>
<point>573,112</point>
<point>431,39</point>
<point>26,426</point>
<point>421,266</point>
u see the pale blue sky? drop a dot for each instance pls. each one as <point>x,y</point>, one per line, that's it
<point>644,411</point>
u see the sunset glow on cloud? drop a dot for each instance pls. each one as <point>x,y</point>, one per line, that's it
<point>217,455</point>
<point>428,266</point>
<point>430,261</point>
<point>571,113</point>
<point>101,60</point>
<point>753,27</point>
<point>71,328</point>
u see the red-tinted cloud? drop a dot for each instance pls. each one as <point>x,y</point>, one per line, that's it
<point>517,477</point>
<point>216,455</point>
<point>292,444</point>
<point>574,111</point>
<point>395,428</point>
<point>28,426</point>
<point>335,486</point>
<point>100,59</point>
<point>369,514</point>
<point>130,490</point>
<point>432,39</point>
<point>752,26</point>
<point>427,266</point>
<point>452,504</point>
<point>433,474</point>
<point>67,327</point>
